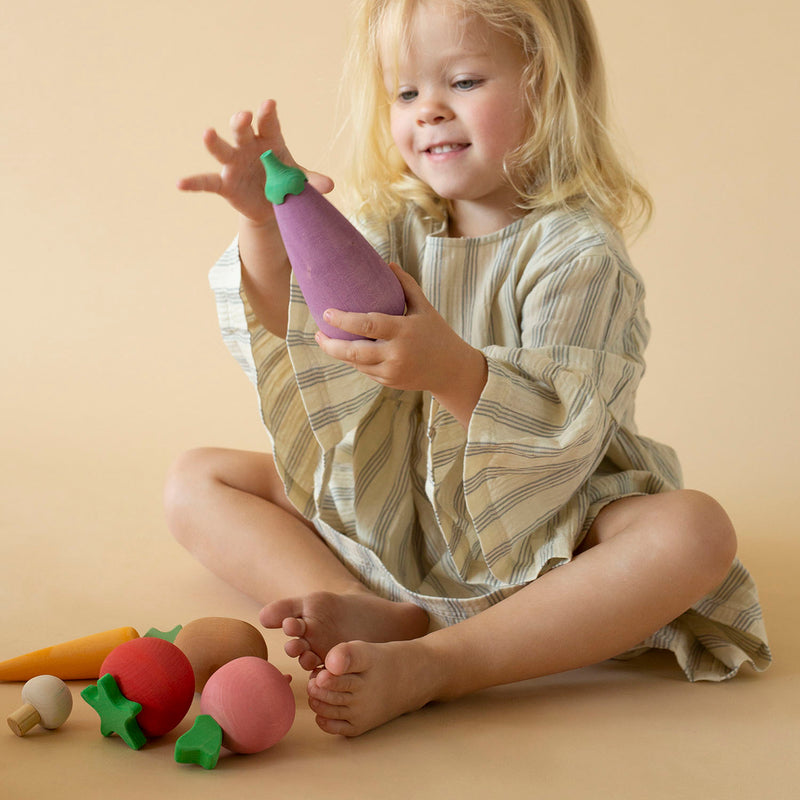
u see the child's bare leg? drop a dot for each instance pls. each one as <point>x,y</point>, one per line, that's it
<point>229,509</point>
<point>646,560</point>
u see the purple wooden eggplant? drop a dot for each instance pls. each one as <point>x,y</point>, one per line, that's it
<point>335,266</point>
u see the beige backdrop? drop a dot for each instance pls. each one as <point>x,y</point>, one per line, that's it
<point>111,361</point>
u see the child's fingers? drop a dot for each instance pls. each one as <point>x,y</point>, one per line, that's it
<point>322,183</point>
<point>218,147</point>
<point>370,326</point>
<point>241,127</point>
<point>412,290</point>
<point>241,119</point>
<point>359,353</point>
<point>267,124</point>
<point>210,182</point>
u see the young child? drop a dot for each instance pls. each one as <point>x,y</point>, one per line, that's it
<point>461,500</point>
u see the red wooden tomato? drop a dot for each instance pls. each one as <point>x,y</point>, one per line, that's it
<point>157,675</point>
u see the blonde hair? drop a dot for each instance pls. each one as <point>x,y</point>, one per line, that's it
<point>566,160</point>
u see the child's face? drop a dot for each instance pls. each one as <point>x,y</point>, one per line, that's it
<point>458,107</point>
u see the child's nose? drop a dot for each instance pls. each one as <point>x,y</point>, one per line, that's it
<point>432,111</point>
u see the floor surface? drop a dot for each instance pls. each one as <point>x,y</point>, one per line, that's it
<point>97,556</point>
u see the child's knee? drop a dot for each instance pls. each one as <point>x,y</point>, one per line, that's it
<point>184,481</point>
<point>712,532</point>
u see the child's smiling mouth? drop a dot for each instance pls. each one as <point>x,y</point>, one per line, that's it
<point>444,149</point>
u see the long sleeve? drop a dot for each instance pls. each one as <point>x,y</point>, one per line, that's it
<point>550,409</point>
<point>265,360</point>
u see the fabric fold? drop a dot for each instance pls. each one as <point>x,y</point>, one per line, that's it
<point>455,520</point>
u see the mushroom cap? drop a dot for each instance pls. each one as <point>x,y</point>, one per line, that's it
<point>51,698</point>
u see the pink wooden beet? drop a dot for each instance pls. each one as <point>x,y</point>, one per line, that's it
<point>252,702</point>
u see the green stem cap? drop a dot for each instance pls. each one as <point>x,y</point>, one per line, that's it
<point>281,178</point>
<point>201,744</point>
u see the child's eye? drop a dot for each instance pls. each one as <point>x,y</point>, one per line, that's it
<point>406,95</point>
<point>465,84</point>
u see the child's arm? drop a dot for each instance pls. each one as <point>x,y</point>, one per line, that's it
<point>265,266</point>
<point>418,351</point>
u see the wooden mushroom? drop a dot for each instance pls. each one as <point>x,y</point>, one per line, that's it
<point>47,701</point>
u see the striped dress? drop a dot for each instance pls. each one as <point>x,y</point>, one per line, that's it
<point>452,520</point>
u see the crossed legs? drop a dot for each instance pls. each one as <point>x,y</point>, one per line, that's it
<point>230,510</point>
<point>645,561</point>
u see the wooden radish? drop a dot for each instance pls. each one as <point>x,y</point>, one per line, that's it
<point>47,701</point>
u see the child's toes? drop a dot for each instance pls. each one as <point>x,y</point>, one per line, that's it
<point>295,648</point>
<point>294,626</point>
<point>309,660</point>
<point>331,698</point>
<point>273,614</point>
<point>301,650</point>
<point>327,681</point>
<point>328,710</point>
<point>337,727</point>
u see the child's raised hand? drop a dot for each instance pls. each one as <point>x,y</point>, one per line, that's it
<point>241,179</point>
<point>418,351</point>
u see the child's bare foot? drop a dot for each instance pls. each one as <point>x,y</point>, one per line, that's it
<point>318,622</point>
<point>363,685</point>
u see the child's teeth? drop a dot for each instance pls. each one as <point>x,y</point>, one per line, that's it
<point>445,148</point>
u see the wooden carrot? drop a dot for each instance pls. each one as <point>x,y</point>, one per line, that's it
<point>77,659</point>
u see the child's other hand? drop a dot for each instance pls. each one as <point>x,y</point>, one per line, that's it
<point>241,179</point>
<point>418,351</point>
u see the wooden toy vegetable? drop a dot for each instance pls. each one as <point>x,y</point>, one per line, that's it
<point>156,674</point>
<point>47,701</point>
<point>248,706</point>
<point>117,713</point>
<point>252,702</point>
<point>145,688</point>
<point>77,659</point>
<point>335,266</point>
<point>211,642</point>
